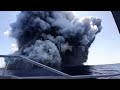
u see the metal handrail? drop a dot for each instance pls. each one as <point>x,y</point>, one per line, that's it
<point>71,77</point>
<point>38,64</point>
<point>44,66</point>
<point>64,75</point>
<point>6,67</point>
<point>9,77</point>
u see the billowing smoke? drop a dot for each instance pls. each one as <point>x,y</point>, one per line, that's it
<point>53,38</point>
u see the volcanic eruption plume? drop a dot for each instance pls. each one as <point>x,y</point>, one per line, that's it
<point>53,38</point>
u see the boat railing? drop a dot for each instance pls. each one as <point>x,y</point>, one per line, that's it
<point>62,74</point>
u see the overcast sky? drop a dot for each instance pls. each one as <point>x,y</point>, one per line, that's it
<point>104,50</point>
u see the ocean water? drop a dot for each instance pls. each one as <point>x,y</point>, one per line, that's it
<point>80,70</point>
<point>95,70</point>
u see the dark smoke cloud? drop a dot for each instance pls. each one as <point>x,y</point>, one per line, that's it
<point>53,38</point>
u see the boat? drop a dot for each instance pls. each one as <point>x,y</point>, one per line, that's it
<point>49,73</point>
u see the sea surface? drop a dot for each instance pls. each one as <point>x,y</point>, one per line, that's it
<point>80,70</point>
<point>95,70</point>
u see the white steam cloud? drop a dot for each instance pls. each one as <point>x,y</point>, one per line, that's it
<point>7,33</point>
<point>14,47</point>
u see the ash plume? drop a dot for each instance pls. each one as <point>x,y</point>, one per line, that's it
<point>53,38</point>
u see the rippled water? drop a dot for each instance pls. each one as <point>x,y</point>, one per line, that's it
<point>107,69</point>
<point>95,70</point>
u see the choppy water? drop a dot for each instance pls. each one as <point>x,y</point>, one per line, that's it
<point>81,70</point>
<point>95,70</point>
